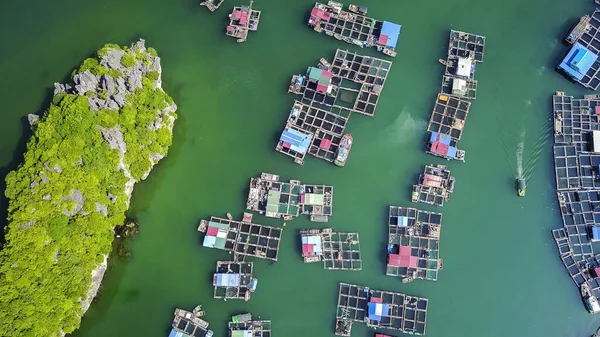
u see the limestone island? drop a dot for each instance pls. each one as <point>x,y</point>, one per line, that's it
<point>102,133</point>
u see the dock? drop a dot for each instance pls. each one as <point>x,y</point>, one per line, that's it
<point>581,63</point>
<point>276,199</point>
<point>354,27</point>
<point>413,244</point>
<point>241,238</point>
<point>576,153</point>
<point>244,326</point>
<point>434,186</point>
<point>190,323</point>
<point>329,94</point>
<point>379,310</point>
<point>212,5</point>
<point>233,280</point>
<point>241,21</point>
<point>337,251</point>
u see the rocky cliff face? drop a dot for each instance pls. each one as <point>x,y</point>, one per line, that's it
<point>109,83</point>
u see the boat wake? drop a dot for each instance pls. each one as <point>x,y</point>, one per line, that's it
<point>520,147</point>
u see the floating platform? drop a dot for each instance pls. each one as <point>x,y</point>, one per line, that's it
<point>212,5</point>
<point>190,324</point>
<point>241,238</point>
<point>465,50</point>
<point>434,187</point>
<point>414,244</point>
<point>581,63</point>
<point>244,326</point>
<point>466,45</point>
<point>379,310</point>
<point>233,280</point>
<point>449,116</point>
<point>287,200</point>
<point>338,251</point>
<point>354,27</point>
<point>241,21</point>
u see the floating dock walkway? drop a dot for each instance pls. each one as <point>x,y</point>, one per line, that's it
<point>287,200</point>
<point>233,280</point>
<point>354,28</point>
<point>434,186</point>
<point>241,238</point>
<point>241,21</point>
<point>577,170</point>
<point>338,251</point>
<point>379,310</point>
<point>330,93</point>
<point>186,323</point>
<point>212,5</point>
<point>244,326</point>
<point>581,64</point>
<point>414,244</point>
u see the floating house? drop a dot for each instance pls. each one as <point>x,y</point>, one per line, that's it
<point>465,50</point>
<point>241,21</point>
<point>322,79</point>
<point>388,37</point>
<point>288,200</point>
<point>442,145</point>
<point>578,62</point>
<point>581,63</point>
<point>338,251</point>
<point>379,310</point>
<point>434,186</point>
<point>241,238</point>
<point>244,326</point>
<point>190,324</point>
<point>294,143</point>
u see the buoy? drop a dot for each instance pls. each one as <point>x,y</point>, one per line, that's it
<point>284,224</point>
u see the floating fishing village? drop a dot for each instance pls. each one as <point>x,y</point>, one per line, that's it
<point>328,94</point>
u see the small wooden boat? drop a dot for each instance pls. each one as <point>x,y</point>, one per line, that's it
<point>442,61</point>
<point>362,10</point>
<point>389,52</point>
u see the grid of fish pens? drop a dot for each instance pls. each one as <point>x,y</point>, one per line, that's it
<point>379,309</point>
<point>579,210</point>
<point>463,44</point>
<point>448,82</point>
<point>369,72</point>
<point>257,328</point>
<point>566,166</point>
<point>449,116</point>
<point>413,248</point>
<point>575,119</point>
<point>341,251</point>
<point>351,26</point>
<point>238,279</point>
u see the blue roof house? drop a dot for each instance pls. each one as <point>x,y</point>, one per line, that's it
<point>389,34</point>
<point>578,61</point>
<point>296,140</point>
<point>378,310</point>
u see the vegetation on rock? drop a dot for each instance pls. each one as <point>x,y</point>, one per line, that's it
<point>94,142</point>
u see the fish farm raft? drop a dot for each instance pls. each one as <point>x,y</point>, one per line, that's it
<point>581,63</point>
<point>233,280</point>
<point>241,238</point>
<point>275,199</point>
<point>434,187</point>
<point>354,27</point>
<point>188,323</point>
<point>212,5</point>
<point>414,244</point>
<point>451,107</point>
<point>338,251</point>
<point>244,326</point>
<point>577,169</point>
<point>379,310</point>
<point>330,93</point>
<point>241,21</point>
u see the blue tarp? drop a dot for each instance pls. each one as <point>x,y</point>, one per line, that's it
<point>298,141</point>
<point>578,61</point>
<point>452,152</point>
<point>433,137</point>
<point>445,139</point>
<point>378,310</point>
<point>595,233</point>
<point>227,280</point>
<point>392,31</point>
<point>175,333</point>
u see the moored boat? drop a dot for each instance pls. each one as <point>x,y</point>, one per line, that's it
<point>591,302</point>
<point>344,150</point>
<point>362,10</point>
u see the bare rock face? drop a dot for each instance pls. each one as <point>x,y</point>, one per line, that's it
<point>114,137</point>
<point>79,200</point>
<point>32,119</point>
<point>85,82</point>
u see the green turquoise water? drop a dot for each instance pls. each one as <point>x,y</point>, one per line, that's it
<point>502,275</point>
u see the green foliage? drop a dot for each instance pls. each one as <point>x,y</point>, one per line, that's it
<point>152,51</point>
<point>93,65</point>
<point>46,263</point>
<point>152,75</point>
<point>128,60</point>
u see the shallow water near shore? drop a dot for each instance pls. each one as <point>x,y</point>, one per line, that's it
<point>502,275</point>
